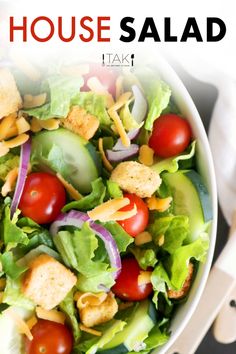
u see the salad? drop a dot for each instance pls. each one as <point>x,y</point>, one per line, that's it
<point>104,217</point>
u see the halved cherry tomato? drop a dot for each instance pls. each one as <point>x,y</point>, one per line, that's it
<point>137,223</point>
<point>49,338</point>
<point>170,136</point>
<point>43,197</point>
<point>105,75</point>
<point>126,286</point>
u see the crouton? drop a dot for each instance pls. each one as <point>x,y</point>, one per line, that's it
<point>81,122</point>
<point>10,99</point>
<point>93,315</point>
<point>179,294</point>
<point>47,282</point>
<point>136,178</point>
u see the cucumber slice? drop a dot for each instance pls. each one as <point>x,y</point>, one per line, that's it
<point>67,153</point>
<point>135,332</point>
<point>191,198</point>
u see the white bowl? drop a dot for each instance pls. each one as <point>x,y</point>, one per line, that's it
<point>206,169</point>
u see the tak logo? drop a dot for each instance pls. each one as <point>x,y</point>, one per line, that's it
<point>115,59</point>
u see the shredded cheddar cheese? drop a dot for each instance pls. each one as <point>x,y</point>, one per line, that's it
<point>17,141</point>
<point>108,208</point>
<point>161,240</point>
<point>10,182</point>
<point>22,125</point>
<point>20,323</point>
<point>50,315</point>
<point>144,278</point>
<point>3,149</point>
<point>159,204</point>
<point>31,322</point>
<point>119,127</point>
<point>121,215</point>
<point>50,124</point>
<point>122,100</point>
<point>73,193</point>
<point>1,296</point>
<point>90,330</point>
<point>2,283</point>
<point>35,125</point>
<point>105,161</point>
<point>6,124</point>
<point>142,238</point>
<point>146,155</point>
<point>34,101</point>
<point>13,131</point>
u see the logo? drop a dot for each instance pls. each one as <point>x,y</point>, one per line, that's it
<point>115,59</point>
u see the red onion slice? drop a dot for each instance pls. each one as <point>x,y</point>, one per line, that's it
<point>77,218</point>
<point>132,134</point>
<point>140,106</point>
<point>23,168</point>
<point>116,156</point>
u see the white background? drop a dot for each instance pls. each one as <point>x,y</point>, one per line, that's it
<point>220,55</point>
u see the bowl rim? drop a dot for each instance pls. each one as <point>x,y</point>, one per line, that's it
<point>175,82</point>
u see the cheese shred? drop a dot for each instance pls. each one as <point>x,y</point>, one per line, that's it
<point>105,161</point>
<point>90,330</point>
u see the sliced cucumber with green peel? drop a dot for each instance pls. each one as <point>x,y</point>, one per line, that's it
<point>191,198</point>
<point>69,154</point>
<point>135,332</point>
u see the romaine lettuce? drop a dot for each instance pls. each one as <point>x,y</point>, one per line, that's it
<point>158,96</point>
<point>90,201</point>
<point>174,229</point>
<point>62,90</point>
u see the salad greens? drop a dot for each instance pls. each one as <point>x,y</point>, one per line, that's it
<point>61,91</point>
<point>91,248</point>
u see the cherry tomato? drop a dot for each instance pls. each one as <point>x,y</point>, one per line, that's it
<point>170,136</point>
<point>126,286</point>
<point>49,338</point>
<point>137,223</point>
<point>42,198</point>
<point>105,75</point>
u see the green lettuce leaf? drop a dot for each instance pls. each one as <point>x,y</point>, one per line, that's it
<point>91,200</point>
<point>158,96</point>
<point>7,163</point>
<point>114,190</point>
<point>10,267</point>
<point>94,104</point>
<point>62,90</point>
<point>80,250</point>
<point>123,240</point>
<point>68,307</point>
<point>37,236</point>
<point>145,257</point>
<point>14,297</point>
<point>95,283</point>
<point>160,281</point>
<point>174,228</point>
<point>155,339</point>
<point>12,235</point>
<point>107,336</point>
<point>172,164</point>
<point>177,264</point>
